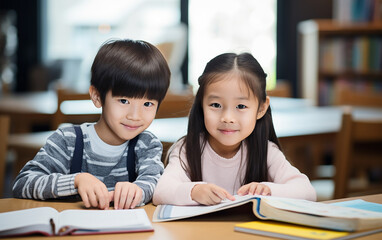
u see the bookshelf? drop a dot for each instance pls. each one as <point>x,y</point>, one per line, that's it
<point>335,55</point>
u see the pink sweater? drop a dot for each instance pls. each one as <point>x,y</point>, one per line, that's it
<point>284,180</point>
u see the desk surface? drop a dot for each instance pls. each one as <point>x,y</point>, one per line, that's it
<point>218,225</point>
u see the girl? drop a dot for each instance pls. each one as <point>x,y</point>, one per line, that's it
<point>231,146</point>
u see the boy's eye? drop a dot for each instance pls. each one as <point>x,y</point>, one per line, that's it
<point>123,101</point>
<point>215,105</point>
<point>148,104</point>
<point>241,106</point>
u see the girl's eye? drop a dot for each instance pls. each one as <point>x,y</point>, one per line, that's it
<point>215,105</point>
<point>241,106</point>
<point>123,101</point>
<point>148,104</point>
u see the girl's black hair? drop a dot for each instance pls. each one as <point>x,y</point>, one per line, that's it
<point>130,68</point>
<point>252,74</point>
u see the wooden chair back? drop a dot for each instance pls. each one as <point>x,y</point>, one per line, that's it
<point>359,147</point>
<point>347,96</point>
<point>4,132</point>
<point>176,104</point>
<point>59,117</point>
<point>282,89</point>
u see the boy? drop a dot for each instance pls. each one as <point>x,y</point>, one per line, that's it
<point>129,79</point>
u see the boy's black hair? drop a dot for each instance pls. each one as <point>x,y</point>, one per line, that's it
<point>130,68</point>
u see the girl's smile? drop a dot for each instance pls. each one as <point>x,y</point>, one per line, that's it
<point>228,131</point>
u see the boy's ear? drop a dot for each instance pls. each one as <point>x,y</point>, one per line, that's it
<point>95,97</point>
<point>263,108</point>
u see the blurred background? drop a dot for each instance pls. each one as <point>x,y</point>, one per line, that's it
<point>50,42</point>
<point>320,55</point>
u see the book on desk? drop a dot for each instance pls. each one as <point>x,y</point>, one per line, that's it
<point>48,221</point>
<point>297,232</point>
<point>296,211</point>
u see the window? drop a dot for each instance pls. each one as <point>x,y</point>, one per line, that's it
<point>218,26</point>
<point>75,29</point>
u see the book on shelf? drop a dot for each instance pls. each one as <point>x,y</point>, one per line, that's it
<point>48,221</point>
<point>297,232</point>
<point>296,211</point>
<point>347,11</point>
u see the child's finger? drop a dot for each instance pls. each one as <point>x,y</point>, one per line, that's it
<point>252,188</point>
<point>229,196</point>
<point>85,199</point>
<point>103,197</point>
<point>129,198</point>
<point>92,199</point>
<point>137,198</point>
<point>111,196</point>
<point>243,190</point>
<point>117,193</point>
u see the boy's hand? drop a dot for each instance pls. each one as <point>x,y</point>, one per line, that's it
<point>254,188</point>
<point>209,194</point>
<point>93,192</point>
<point>126,195</point>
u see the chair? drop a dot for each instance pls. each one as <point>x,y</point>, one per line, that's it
<point>359,147</point>
<point>4,131</point>
<point>347,96</point>
<point>83,115</point>
<point>282,89</point>
<point>176,104</point>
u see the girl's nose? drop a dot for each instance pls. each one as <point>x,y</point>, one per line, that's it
<point>228,117</point>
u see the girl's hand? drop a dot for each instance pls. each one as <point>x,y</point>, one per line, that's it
<point>209,194</point>
<point>126,195</point>
<point>93,192</point>
<point>254,188</point>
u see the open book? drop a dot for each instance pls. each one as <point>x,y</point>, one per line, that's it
<point>297,211</point>
<point>48,221</point>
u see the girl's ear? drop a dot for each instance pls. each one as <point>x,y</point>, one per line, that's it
<point>94,96</point>
<point>263,108</point>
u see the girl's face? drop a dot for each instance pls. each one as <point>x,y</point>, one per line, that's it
<point>124,118</point>
<point>230,113</point>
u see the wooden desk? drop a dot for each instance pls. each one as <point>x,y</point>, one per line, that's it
<point>218,225</point>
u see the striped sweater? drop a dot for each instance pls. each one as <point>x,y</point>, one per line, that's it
<point>48,174</point>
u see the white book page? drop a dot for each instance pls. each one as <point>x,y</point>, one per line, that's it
<point>172,211</point>
<point>317,208</point>
<point>21,219</point>
<point>132,219</point>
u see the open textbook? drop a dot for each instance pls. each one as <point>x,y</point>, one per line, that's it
<point>297,211</point>
<point>48,221</point>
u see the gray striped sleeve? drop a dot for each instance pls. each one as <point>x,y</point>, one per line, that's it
<point>149,165</point>
<point>46,176</point>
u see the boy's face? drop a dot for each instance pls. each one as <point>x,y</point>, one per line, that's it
<point>124,118</point>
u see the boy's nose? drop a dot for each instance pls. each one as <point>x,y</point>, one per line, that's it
<point>134,112</point>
